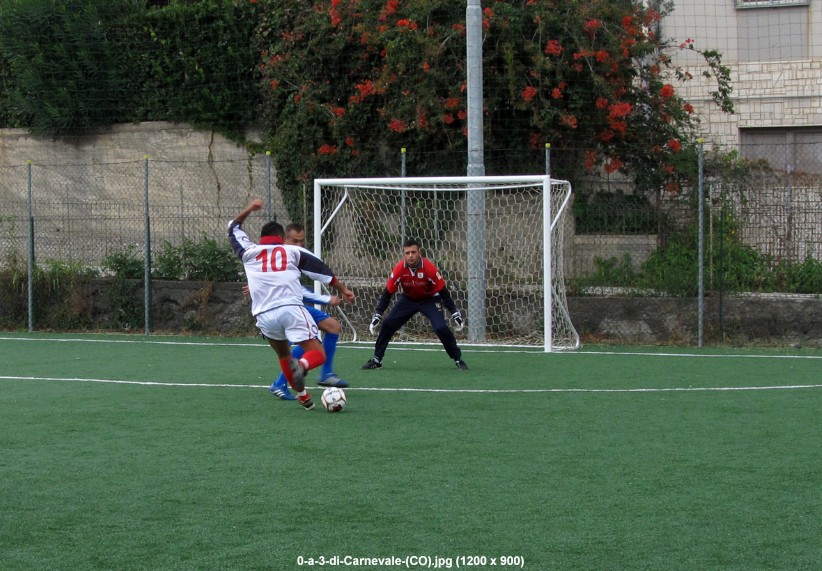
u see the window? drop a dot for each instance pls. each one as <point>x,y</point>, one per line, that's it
<point>797,149</point>
<point>770,3</point>
<point>777,34</point>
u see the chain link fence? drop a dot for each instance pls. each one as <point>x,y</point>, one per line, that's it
<point>84,213</point>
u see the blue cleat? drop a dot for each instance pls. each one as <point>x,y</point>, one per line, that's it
<point>281,391</point>
<point>332,380</point>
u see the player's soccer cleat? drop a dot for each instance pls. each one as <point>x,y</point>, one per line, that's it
<point>372,364</point>
<point>306,402</point>
<point>332,381</point>
<point>461,365</point>
<point>281,391</point>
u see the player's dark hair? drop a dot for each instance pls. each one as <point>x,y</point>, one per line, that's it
<point>295,227</point>
<point>411,242</point>
<point>272,229</point>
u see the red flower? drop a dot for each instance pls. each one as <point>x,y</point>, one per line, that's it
<point>613,165</point>
<point>568,121</point>
<point>338,111</point>
<point>422,119</point>
<point>529,93</point>
<point>398,126</point>
<point>618,126</point>
<point>688,107</point>
<point>406,23</point>
<point>674,145</point>
<point>602,56</point>
<point>556,93</point>
<point>275,83</point>
<point>349,141</point>
<point>452,102</point>
<point>616,110</point>
<point>462,114</point>
<point>601,103</point>
<point>590,160</point>
<point>426,66</point>
<point>553,48</point>
<point>448,118</point>
<point>591,26</point>
<point>667,91</point>
<point>327,149</point>
<point>364,89</point>
<point>390,8</point>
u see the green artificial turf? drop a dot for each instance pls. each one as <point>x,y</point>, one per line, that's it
<point>124,453</point>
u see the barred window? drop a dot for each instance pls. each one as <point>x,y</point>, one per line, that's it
<point>792,149</point>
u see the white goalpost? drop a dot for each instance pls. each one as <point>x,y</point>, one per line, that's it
<point>504,265</point>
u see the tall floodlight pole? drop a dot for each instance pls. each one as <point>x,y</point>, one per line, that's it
<point>476,167</point>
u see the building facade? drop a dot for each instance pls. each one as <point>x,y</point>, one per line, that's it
<point>774,51</point>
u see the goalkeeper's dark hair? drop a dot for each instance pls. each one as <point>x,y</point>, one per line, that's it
<point>272,229</point>
<point>295,227</point>
<point>411,242</point>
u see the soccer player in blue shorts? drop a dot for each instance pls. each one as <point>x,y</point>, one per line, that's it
<point>295,235</point>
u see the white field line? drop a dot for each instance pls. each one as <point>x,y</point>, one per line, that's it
<point>423,347</point>
<point>416,390</point>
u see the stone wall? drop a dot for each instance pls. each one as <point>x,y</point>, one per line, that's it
<point>768,319</point>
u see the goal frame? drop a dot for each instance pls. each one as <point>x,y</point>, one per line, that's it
<point>467,183</point>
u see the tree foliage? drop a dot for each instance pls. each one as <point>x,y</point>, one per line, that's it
<point>347,83</point>
<point>73,65</point>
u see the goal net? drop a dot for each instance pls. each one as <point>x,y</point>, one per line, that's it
<point>498,242</point>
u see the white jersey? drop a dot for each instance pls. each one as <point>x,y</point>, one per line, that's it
<point>273,270</point>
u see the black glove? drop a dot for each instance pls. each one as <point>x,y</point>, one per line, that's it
<point>375,321</point>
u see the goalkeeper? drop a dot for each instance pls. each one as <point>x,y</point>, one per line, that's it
<point>423,290</point>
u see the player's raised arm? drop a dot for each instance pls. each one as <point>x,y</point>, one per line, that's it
<point>253,206</point>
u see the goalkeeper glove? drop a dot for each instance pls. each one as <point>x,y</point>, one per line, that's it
<point>375,321</point>
<point>458,320</point>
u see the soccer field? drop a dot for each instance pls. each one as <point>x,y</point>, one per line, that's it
<point>130,452</point>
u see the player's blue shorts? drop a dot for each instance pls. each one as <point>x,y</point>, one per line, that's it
<point>316,314</point>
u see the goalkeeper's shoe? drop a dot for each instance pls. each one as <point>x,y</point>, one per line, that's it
<point>461,365</point>
<point>332,380</point>
<point>280,390</point>
<point>306,402</point>
<point>372,363</point>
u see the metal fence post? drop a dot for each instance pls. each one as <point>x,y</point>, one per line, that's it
<point>701,249</point>
<point>268,207</point>
<point>147,265</point>
<point>403,195</point>
<point>31,253</point>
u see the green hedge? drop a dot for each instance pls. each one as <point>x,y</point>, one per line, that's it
<point>68,66</point>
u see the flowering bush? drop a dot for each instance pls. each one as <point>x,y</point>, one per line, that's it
<point>349,82</point>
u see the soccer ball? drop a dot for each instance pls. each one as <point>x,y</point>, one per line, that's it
<point>333,399</point>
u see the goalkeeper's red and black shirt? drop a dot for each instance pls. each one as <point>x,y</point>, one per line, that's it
<point>418,283</point>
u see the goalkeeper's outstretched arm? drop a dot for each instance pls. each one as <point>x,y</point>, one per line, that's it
<point>382,305</point>
<point>448,303</point>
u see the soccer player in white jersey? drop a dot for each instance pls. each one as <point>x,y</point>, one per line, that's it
<point>273,272</point>
<point>295,235</point>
